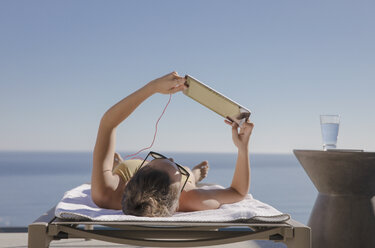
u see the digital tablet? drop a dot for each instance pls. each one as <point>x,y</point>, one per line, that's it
<point>215,101</point>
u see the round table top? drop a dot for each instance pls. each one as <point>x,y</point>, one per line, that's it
<point>340,171</point>
<point>338,151</point>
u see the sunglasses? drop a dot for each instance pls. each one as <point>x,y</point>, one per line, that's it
<point>181,169</point>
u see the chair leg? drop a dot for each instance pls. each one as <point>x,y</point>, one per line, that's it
<point>301,238</point>
<point>88,227</point>
<point>38,237</point>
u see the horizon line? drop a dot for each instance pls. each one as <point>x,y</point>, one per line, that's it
<point>129,151</point>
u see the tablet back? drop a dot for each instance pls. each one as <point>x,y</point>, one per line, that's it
<point>215,101</point>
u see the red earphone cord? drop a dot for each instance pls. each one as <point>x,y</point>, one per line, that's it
<point>156,130</point>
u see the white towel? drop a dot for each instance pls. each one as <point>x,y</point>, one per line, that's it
<point>77,204</point>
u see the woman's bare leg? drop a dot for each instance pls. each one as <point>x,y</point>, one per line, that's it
<point>117,159</point>
<point>200,171</point>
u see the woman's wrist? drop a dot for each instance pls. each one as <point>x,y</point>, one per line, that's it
<point>243,149</point>
<point>151,87</point>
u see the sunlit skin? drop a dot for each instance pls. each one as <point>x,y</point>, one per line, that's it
<point>107,188</point>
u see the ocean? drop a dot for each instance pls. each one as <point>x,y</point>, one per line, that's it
<point>33,182</point>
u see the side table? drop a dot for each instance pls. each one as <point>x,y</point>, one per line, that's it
<point>344,211</point>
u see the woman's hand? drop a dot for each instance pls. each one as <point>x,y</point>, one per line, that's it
<point>169,84</point>
<point>241,137</point>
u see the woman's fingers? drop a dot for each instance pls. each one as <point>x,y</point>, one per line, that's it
<point>177,88</point>
<point>178,82</point>
<point>228,122</point>
<point>247,128</point>
<point>241,135</point>
<point>233,125</point>
<point>169,83</point>
<point>235,130</point>
<point>175,74</point>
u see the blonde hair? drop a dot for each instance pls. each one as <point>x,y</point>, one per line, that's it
<point>150,193</point>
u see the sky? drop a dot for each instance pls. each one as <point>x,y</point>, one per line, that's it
<point>64,63</point>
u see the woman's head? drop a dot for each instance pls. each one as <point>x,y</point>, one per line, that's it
<point>153,190</point>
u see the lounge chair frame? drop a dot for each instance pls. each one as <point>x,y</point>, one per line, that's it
<point>165,234</point>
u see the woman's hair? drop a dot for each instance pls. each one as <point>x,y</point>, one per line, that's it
<point>150,193</point>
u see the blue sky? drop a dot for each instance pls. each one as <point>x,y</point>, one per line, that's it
<point>64,63</point>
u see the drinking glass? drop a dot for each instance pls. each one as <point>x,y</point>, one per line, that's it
<point>330,130</point>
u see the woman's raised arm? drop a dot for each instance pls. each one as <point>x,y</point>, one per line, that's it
<point>105,185</point>
<point>201,199</point>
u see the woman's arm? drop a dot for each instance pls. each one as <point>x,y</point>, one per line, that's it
<point>200,199</point>
<point>105,185</point>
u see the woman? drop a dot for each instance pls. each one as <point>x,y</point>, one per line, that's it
<point>159,187</point>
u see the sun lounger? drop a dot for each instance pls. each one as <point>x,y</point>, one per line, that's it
<point>160,234</point>
<point>180,232</point>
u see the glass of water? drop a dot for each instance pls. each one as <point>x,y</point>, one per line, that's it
<point>330,130</point>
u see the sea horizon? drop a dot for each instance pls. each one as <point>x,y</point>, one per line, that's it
<point>131,151</point>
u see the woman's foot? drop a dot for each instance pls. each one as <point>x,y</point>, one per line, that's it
<point>200,171</point>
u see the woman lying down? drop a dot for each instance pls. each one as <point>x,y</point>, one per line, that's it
<point>161,186</point>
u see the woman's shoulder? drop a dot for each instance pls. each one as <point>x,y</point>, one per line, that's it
<point>127,168</point>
